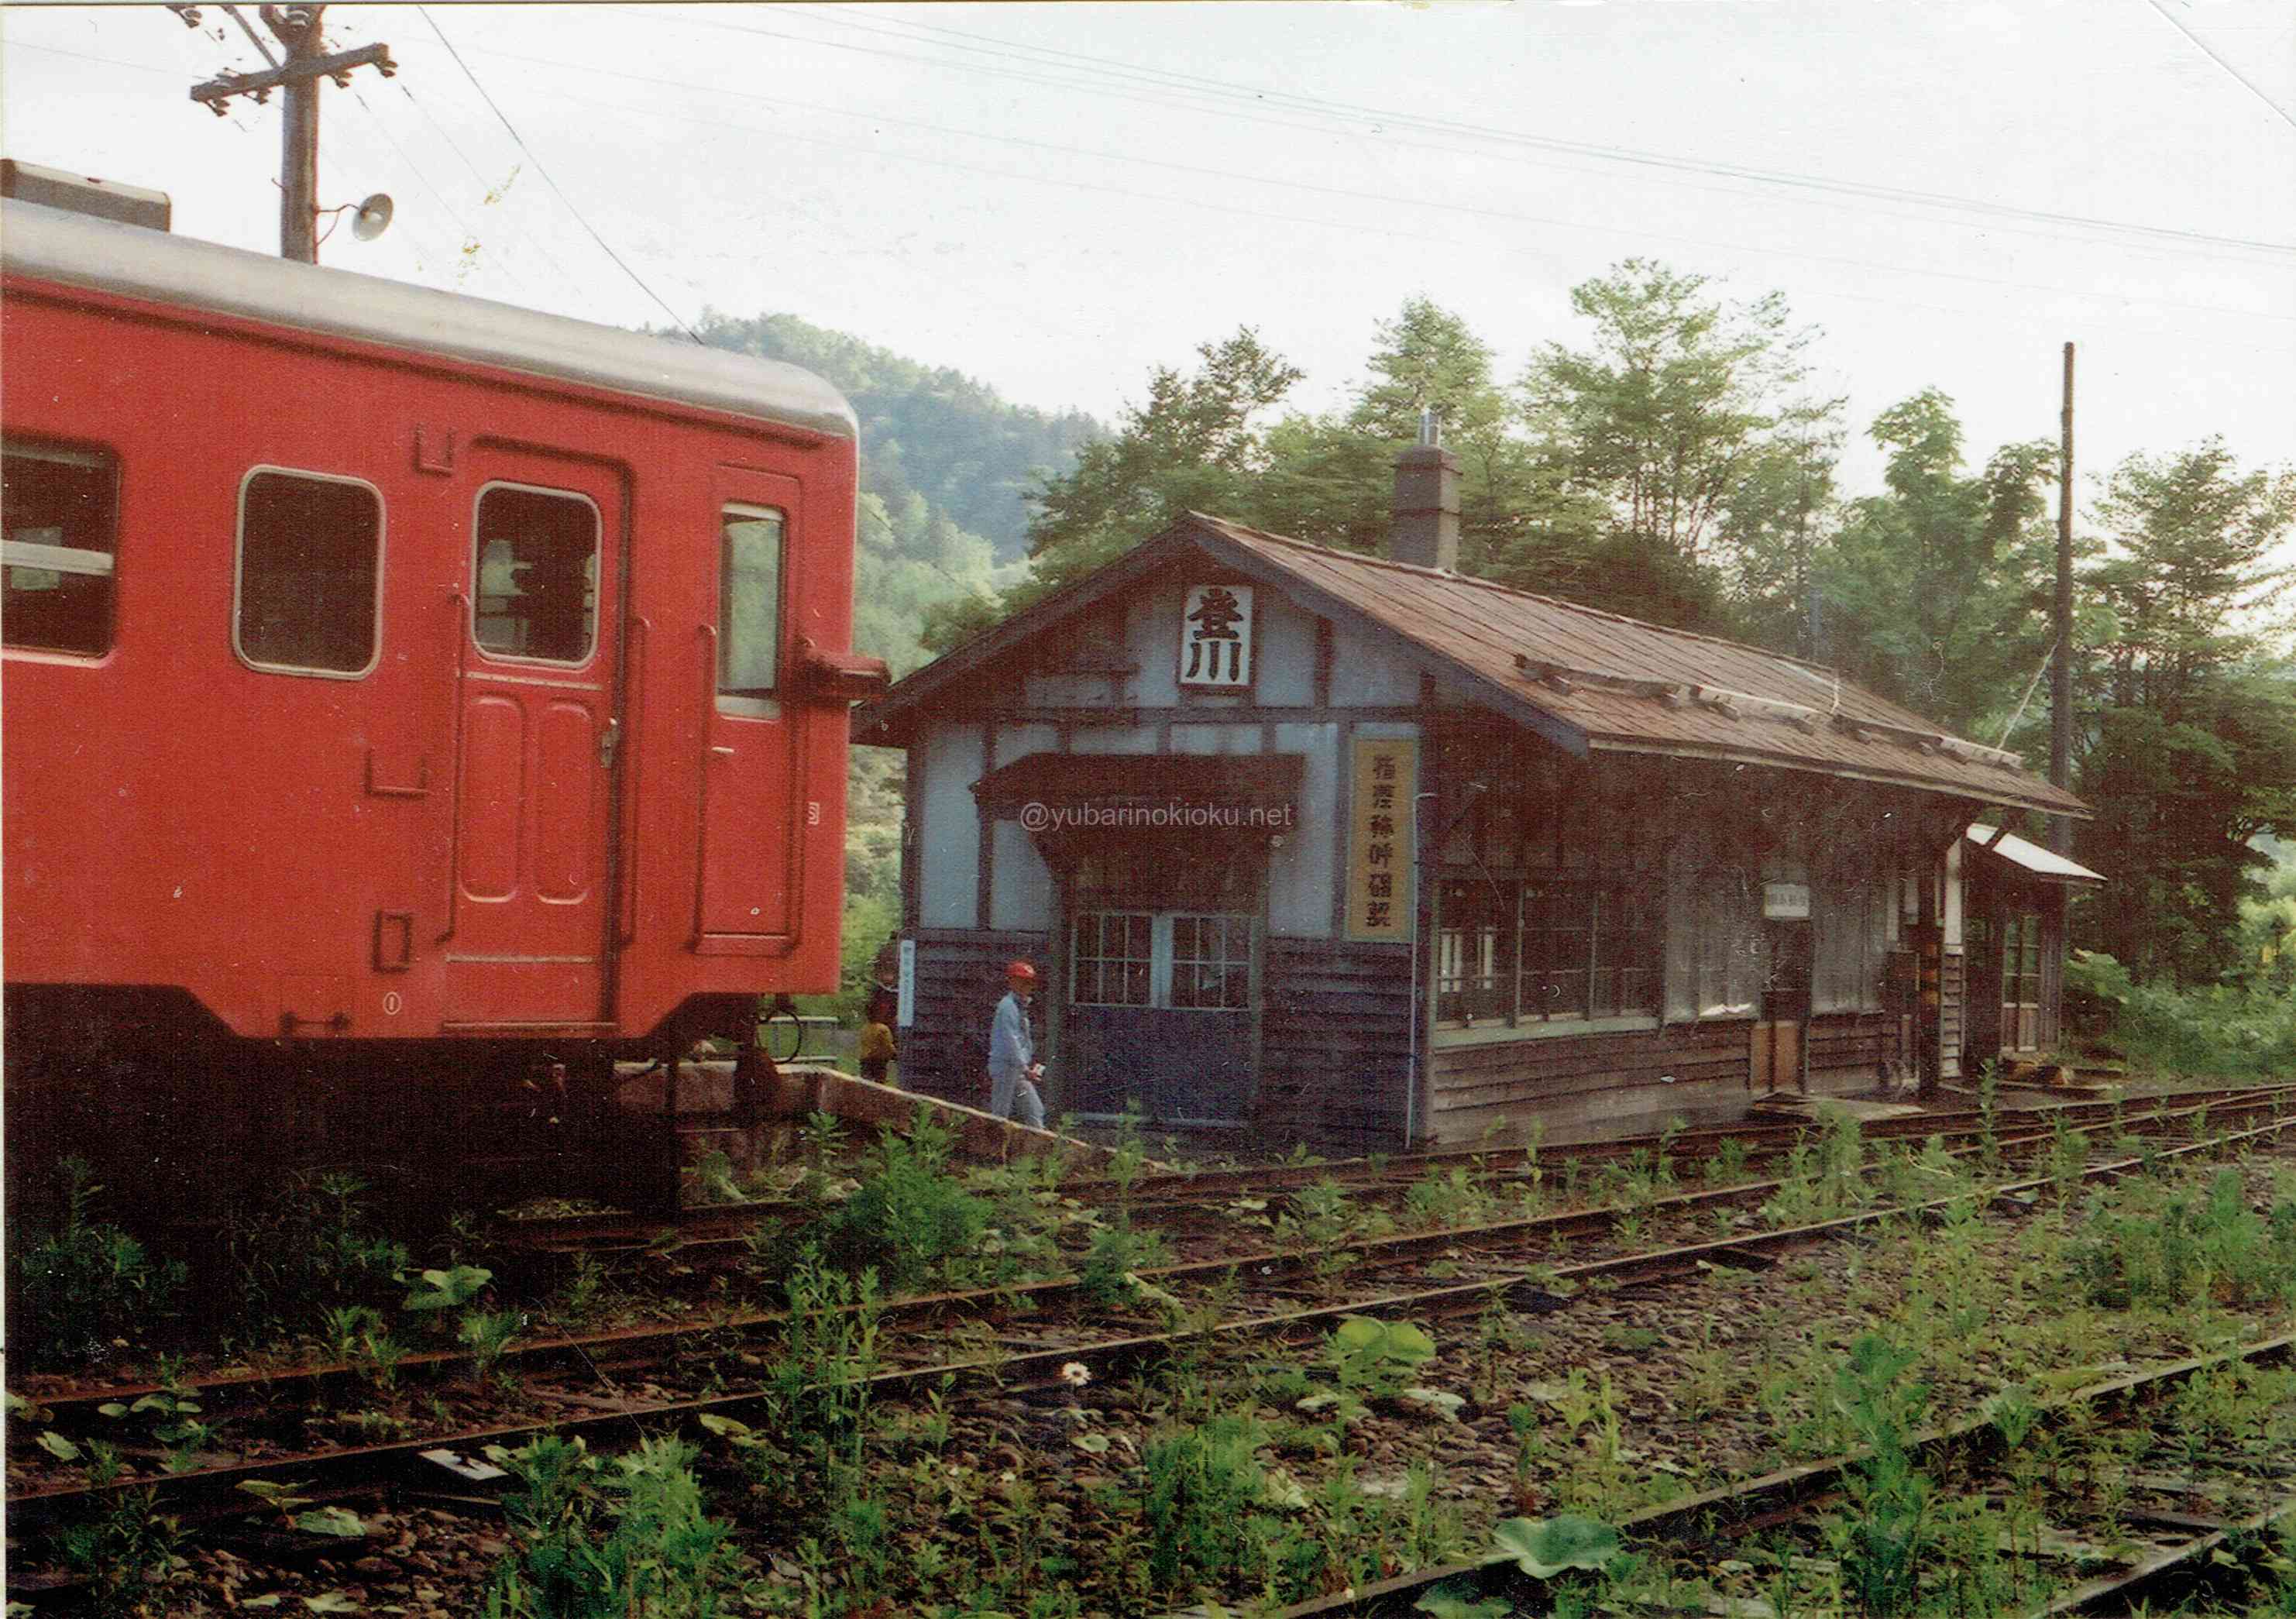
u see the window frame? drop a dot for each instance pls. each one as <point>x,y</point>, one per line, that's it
<point>239,572</point>
<point>745,703</point>
<point>98,457</point>
<point>597,582</point>
<point>1480,959</point>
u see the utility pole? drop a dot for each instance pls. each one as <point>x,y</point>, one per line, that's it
<point>297,28</point>
<point>2060,673</point>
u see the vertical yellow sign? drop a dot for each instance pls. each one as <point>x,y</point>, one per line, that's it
<point>1381,902</point>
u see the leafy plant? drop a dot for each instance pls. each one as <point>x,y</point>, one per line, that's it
<point>87,1283</point>
<point>1542,1547</point>
<point>909,1213</point>
<point>1881,1540</point>
<point>593,1537</point>
<point>446,1289</point>
<point>307,1248</point>
<point>1372,1358</point>
<point>129,1557</point>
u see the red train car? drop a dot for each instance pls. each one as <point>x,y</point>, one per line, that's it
<point>401,670</point>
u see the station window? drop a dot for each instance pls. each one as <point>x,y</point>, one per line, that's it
<point>748,604</point>
<point>310,569</point>
<point>1112,962</point>
<point>537,569</point>
<point>1211,962</point>
<point>58,539</point>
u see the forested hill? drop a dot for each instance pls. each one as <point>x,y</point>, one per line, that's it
<point>927,430</point>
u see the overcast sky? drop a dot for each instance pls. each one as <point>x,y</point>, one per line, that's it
<point>1056,199</point>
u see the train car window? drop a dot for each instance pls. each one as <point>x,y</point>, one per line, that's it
<point>58,539</point>
<point>537,574</point>
<point>310,572</point>
<point>748,604</point>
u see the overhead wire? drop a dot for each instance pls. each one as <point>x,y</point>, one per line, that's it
<point>1386,119</point>
<point>1347,194</point>
<point>2217,57</point>
<point>557,190</point>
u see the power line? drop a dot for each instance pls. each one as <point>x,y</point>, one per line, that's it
<point>1386,119</point>
<point>603,245</point>
<point>1503,215</point>
<point>2214,56</point>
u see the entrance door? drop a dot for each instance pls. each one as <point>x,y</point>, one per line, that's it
<point>753,836</point>
<point>1779,1035</point>
<point>1159,1015</point>
<point>529,935</point>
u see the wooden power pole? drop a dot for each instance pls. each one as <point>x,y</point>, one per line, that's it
<point>296,30</point>
<point>2061,672</point>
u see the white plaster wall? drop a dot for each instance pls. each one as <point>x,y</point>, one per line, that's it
<point>1364,675</point>
<point>1216,739</point>
<point>1285,653</point>
<point>948,859</point>
<point>1114,739</point>
<point>1299,869</point>
<point>1151,640</point>
<point>1021,885</point>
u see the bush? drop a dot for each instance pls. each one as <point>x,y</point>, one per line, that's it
<point>909,1213</point>
<point>87,1284</point>
<point>2222,1030</point>
<point>599,1539</point>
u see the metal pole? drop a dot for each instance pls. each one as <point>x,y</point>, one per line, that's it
<point>299,140</point>
<point>2060,677</point>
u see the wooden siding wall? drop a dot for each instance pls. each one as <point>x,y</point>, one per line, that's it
<point>1848,1051</point>
<point>1335,1041</point>
<point>1585,1086</point>
<point>960,976</point>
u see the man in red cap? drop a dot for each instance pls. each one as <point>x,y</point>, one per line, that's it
<point>1013,1066</point>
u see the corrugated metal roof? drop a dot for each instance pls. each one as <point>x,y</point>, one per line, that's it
<point>74,249</point>
<point>1587,680</point>
<point>1631,687</point>
<point>2045,864</point>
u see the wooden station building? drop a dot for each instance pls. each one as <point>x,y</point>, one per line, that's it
<point>1362,852</point>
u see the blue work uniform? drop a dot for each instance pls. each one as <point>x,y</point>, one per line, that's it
<point>1011,1055</point>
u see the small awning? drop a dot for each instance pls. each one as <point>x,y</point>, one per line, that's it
<point>1068,793</point>
<point>2031,860</point>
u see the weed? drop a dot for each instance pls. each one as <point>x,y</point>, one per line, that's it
<point>128,1557</point>
<point>1882,1538</point>
<point>598,1539</point>
<point>910,1214</point>
<point>87,1283</point>
<point>489,1333</point>
<point>308,1248</point>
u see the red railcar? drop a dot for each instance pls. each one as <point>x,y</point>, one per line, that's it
<point>401,670</point>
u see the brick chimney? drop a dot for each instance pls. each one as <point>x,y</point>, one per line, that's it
<point>1426,526</point>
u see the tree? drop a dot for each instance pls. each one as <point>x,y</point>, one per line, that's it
<point>2192,748</point>
<point>1195,443</point>
<point>1937,592</point>
<point>1677,407</point>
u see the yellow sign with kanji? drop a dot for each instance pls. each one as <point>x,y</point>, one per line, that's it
<point>1381,903</point>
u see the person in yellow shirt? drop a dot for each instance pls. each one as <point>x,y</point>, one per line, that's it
<point>877,1049</point>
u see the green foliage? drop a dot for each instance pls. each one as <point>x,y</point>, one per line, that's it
<point>1204,1488</point>
<point>2170,1248</point>
<point>1375,1358</point>
<point>87,1284</point>
<point>619,1538</point>
<point>1542,1547</point>
<point>130,1557</point>
<point>910,1213</point>
<point>307,1248</point>
<point>2224,1031</point>
<point>1109,1274</point>
<point>446,1289</point>
<point>1881,1538</point>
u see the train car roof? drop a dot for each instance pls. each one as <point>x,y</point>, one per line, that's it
<point>75,250</point>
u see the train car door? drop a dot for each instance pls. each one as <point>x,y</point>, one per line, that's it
<point>746,899</point>
<point>528,929</point>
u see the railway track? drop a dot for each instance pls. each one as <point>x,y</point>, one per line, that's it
<point>1185,1199</point>
<point>1970,1455</point>
<point>1488,1259</point>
